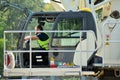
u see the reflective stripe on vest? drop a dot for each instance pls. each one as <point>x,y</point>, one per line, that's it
<point>44,44</point>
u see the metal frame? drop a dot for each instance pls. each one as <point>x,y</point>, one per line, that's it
<point>66,71</point>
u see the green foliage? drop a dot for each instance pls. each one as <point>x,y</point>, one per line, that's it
<point>2,25</point>
<point>1,48</point>
<point>21,8</point>
<point>48,7</point>
<point>1,55</point>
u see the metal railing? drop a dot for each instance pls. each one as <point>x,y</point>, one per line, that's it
<point>19,52</point>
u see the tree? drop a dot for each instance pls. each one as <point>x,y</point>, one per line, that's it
<point>48,7</point>
<point>2,28</point>
<point>1,54</point>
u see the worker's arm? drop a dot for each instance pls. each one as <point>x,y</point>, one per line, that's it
<point>32,38</point>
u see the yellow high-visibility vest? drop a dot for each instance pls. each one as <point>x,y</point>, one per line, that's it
<point>44,44</point>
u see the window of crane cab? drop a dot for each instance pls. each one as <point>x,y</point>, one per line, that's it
<point>67,39</point>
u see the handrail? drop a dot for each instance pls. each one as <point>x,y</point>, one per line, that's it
<point>18,52</point>
<point>31,31</point>
<point>30,50</point>
<point>48,31</point>
<point>48,51</point>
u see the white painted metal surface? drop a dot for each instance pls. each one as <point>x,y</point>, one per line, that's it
<point>111,42</point>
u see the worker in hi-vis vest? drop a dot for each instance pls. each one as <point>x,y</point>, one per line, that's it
<point>41,37</point>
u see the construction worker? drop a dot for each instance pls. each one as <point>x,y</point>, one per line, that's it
<point>41,37</point>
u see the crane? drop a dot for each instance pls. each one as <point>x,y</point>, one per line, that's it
<point>79,36</point>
